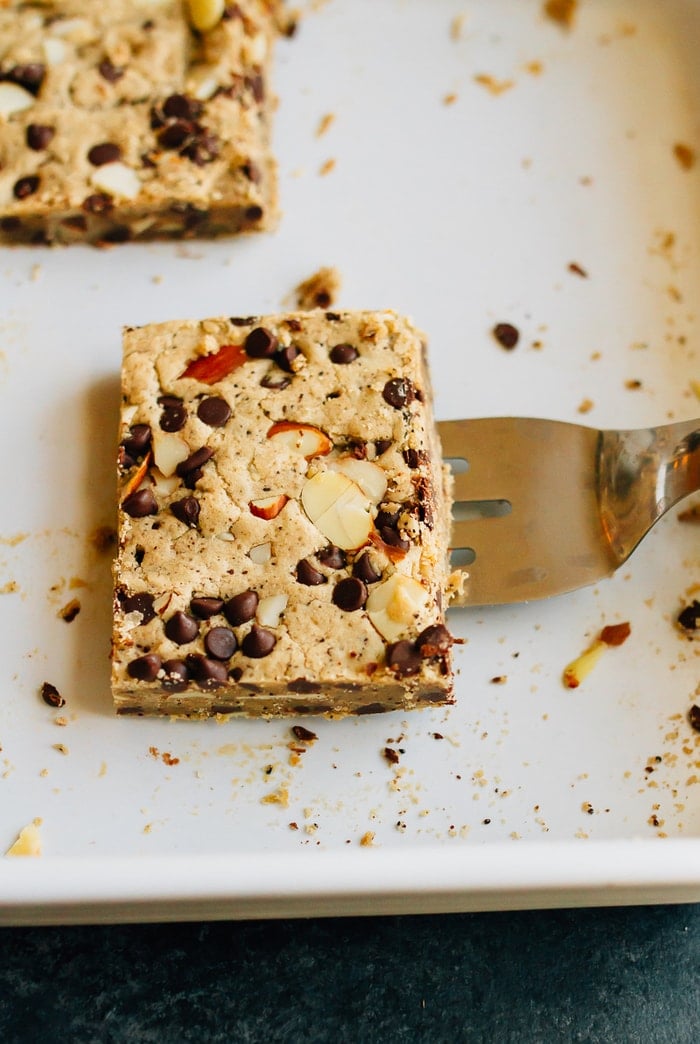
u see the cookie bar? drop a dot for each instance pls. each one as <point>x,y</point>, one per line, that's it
<point>284,519</point>
<point>135,119</point>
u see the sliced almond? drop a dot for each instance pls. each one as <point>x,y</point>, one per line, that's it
<point>14,98</point>
<point>397,606</point>
<point>137,478</point>
<point>338,508</point>
<point>55,51</point>
<point>169,450</point>
<point>164,484</point>
<point>270,610</point>
<point>205,14</point>
<point>117,180</point>
<point>268,507</point>
<point>368,476</point>
<point>214,367</point>
<point>28,842</point>
<point>261,553</point>
<point>300,438</point>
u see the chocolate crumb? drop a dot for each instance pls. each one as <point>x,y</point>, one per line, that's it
<point>391,755</point>
<point>507,335</point>
<point>51,696</point>
<point>301,733</point>
<point>694,717</point>
<point>689,617</point>
<point>70,610</point>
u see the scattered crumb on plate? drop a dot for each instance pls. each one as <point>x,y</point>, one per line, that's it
<point>563,12</point>
<point>28,841</point>
<point>320,290</point>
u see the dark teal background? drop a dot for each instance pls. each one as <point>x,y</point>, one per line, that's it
<point>615,975</point>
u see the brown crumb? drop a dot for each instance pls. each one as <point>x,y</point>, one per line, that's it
<point>633,384</point>
<point>51,696</point>
<point>391,755</point>
<point>320,290</point>
<point>507,335</point>
<point>585,406</point>
<point>563,12</point>
<point>293,826</point>
<point>492,85</point>
<point>577,269</point>
<point>367,839</point>
<point>103,538</point>
<point>325,123</point>
<point>694,717</point>
<point>457,26</point>
<point>499,679</point>
<point>615,634</point>
<point>685,155</point>
<point>70,610</point>
<point>301,733</point>
<point>450,99</point>
<point>326,167</point>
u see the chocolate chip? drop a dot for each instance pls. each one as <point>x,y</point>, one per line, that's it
<point>306,735</point>
<point>386,518</point>
<point>174,413</point>
<point>208,673</point>
<point>275,381</point>
<point>220,642</point>
<point>202,148</point>
<point>205,608</point>
<point>176,675</point>
<point>241,608</point>
<point>105,152</point>
<point>393,538</point>
<point>30,76</point>
<point>333,557</point>
<point>214,411</point>
<point>26,186</point>
<point>350,594</point>
<point>51,696</point>
<point>175,135</point>
<point>181,628</point>
<point>39,136</point>
<point>308,574</point>
<point>507,335</point>
<point>182,106</point>
<point>258,642</point>
<point>366,570</point>
<point>144,668</point>
<point>435,640</point>
<point>689,618</point>
<point>253,213</point>
<point>402,658</point>
<point>260,343</point>
<point>137,441</point>
<point>110,72</point>
<point>285,357</point>
<point>243,320</point>
<point>382,445</point>
<point>141,603</point>
<point>414,458</point>
<point>194,462</point>
<point>98,203</point>
<point>694,717</point>
<point>398,392</point>
<point>186,511</point>
<point>140,503</point>
<point>342,354</point>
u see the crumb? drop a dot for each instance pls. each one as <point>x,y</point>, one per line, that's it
<point>685,155</point>
<point>579,669</point>
<point>585,406</point>
<point>688,619</point>
<point>507,335</point>
<point>492,85</point>
<point>61,748</point>
<point>457,26</point>
<point>35,273</point>
<point>303,734</point>
<point>320,290</point>
<point>28,841</point>
<point>449,99</point>
<point>367,839</point>
<point>61,721</point>
<point>562,12</point>
<point>326,167</point>
<point>11,587</point>
<point>324,124</point>
<point>293,826</point>
<point>70,610</point>
<point>103,538</point>
<point>499,679</point>
<point>690,514</point>
<point>391,755</point>
<point>633,384</point>
<point>534,68</point>
<point>51,696</point>
<point>576,269</point>
<point>157,279</point>
<point>277,797</point>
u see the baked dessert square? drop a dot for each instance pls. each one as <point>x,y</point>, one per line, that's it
<point>284,519</point>
<point>135,119</point>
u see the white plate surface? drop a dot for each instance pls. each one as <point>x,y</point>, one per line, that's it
<point>471,169</point>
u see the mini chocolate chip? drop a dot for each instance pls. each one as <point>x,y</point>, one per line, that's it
<point>186,511</point>
<point>254,213</point>
<point>182,106</point>
<point>260,343</point>
<point>174,135</point>
<point>208,673</point>
<point>402,658</point>
<point>26,186</point>
<point>306,735</point>
<point>194,462</point>
<point>435,640</point>
<point>382,445</point>
<point>393,538</point>
<point>350,594</point>
<point>386,518</point>
<point>98,203</point>
<point>202,149</point>
<point>51,696</point>
<point>398,392</point>
<point>214,411</point>
<point>308,575</point>
<point>141,602</point>
<point>140,503</point>
<point>258,642</point>
<point>144,668</point>
<point>30,76</point>
<point>275,381</point>
<point>39,136</point>
<point>243,320</point>
<point>694,717</point>
<point>105,152</point>
<point>689,618</point>
<point>366,570</point>
<point>414,458</point>
<point>285,357</point>
<point>342,354</point>
<point>205,608</point>
<point>333,557</point>
<point>176,675</point>
<point>241,608</point>
<point>220,643</point>
<point>174,413</point>
<point>110,72</point>
<point>507,335</point>
<point>181,628</point>
<point>138,440</point>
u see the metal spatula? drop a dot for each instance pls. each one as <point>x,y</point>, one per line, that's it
<point>544,507</point>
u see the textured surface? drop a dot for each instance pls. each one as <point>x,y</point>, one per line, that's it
<point>622,975</point>
<point>284,520</point>
<point>117,121</point>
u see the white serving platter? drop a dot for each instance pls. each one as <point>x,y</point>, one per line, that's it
<point>479,151</point>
